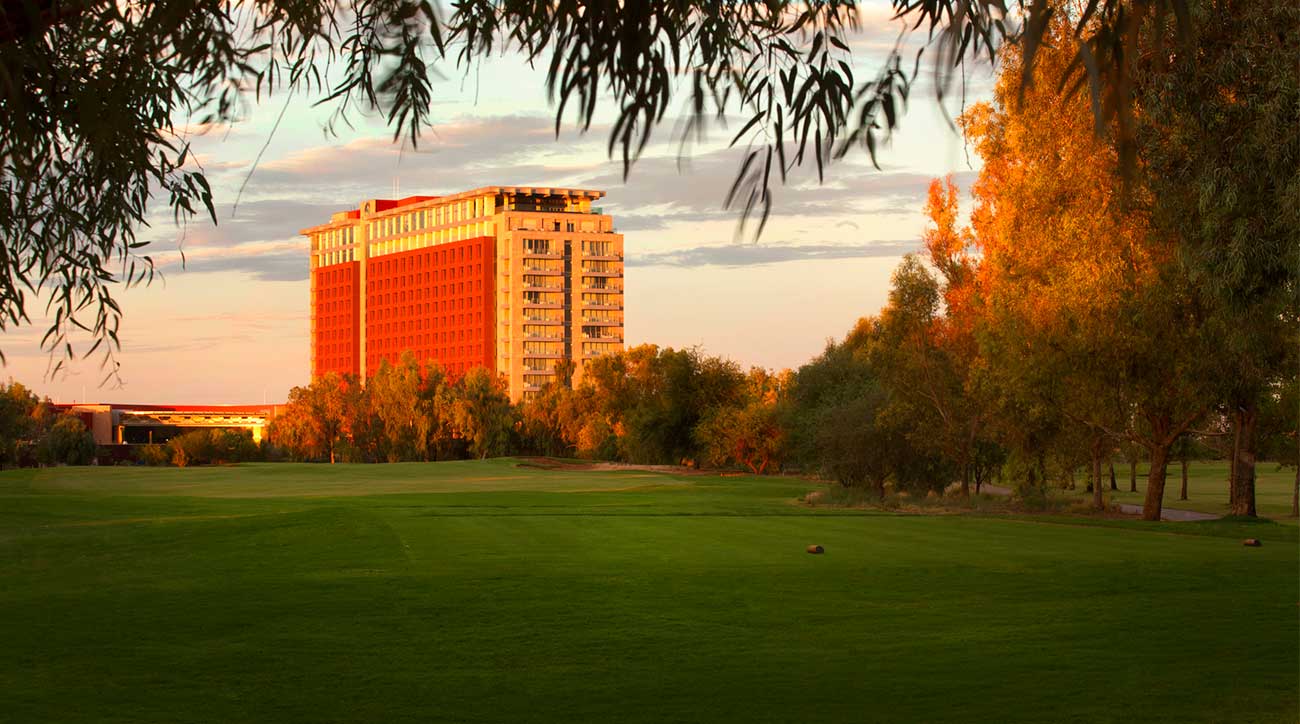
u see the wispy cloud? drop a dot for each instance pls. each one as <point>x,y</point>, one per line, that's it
<point>736,255</point>
<point>304,187</point>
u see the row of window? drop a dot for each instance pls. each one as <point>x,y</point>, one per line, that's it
<point>341,305</point>
<point>427,308</point>
<point>436,258</point>
<point>411,341</point>
<point>332,280</point>
<point>438,275</point>
<point>599,299</point>
<point>543,348</point>
<point>445,357</point>
<point>426,239</point>
<point>338,328</point>
<point>418,294</point>
<point>430,217</point>
<point>335,238</point>
<point>411,325</point>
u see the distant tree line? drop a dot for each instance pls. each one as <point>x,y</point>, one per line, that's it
<point>644,405</point>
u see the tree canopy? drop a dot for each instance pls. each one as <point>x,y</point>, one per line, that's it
<point>93,96</point>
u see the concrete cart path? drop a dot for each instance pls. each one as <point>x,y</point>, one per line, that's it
<point>1171,513</point>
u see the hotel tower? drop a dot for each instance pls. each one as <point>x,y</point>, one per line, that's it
<point>512,278</point>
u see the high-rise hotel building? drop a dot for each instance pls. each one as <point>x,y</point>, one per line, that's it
<point>513,278</point>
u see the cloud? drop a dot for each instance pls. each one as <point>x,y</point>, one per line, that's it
<point>454,156</point>
<point>736,255</point>
<point>657,194</point>
<point>280,266</point>
<point>303,188</point>
<point>275,261</point>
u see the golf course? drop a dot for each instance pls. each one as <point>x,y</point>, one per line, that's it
<point>500,591</point>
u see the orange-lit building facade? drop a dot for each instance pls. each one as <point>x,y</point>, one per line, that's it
<point>512,278</point>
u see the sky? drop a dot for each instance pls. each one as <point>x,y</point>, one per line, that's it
<point>231,323</point>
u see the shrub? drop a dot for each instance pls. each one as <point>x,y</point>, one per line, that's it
<point>205,447</point>
<point>232,446</point>
<point>66,443</point>
<point>152,454</point>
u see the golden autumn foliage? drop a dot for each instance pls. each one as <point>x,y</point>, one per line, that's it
<point>1086,319</point>
<point>1061,243</point>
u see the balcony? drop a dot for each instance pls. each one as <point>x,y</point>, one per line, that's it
<point>602,305</point>
<point>539,270</point>
<point>602,322</point>
<point>544,305</point>
<point>603,338</point>
<point>542,320</point>
<point>607,256</point>
<point>610,274</point>
<point>544,337</point>
<point>541,255</point>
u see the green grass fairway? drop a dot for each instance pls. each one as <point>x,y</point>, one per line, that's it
<point>488,592</point>
<point>1207,488</point>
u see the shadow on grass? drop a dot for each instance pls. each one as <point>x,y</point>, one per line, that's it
<point>1049,507</point>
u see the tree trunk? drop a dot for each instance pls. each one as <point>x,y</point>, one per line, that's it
<point>1232,464</point>
<point>1245,420</point>
<point>1182,492</point>
<point>1151,507</point>
<point>1132,476</point>
<point>1295,492</point>
<point>1097,501</point>
<point>965,480</point>
<point>1113,486</point>
<point>1072,485</point>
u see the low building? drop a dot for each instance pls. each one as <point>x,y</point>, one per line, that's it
<point>130,424</point>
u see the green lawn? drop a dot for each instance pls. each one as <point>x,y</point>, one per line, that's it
<point>1207,488</point>
<point>486,592</point>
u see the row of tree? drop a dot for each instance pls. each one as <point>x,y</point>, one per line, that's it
<point>407,411</point>
<point>644,405</point>
<point>1083,311</point>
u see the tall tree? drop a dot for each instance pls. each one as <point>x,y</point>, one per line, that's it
<point>1076,280</point>
<point>1233,203</point>
<point>406,398</point>
<point>318,418</point>
<point>481,412</point>
<point>18,407</point>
